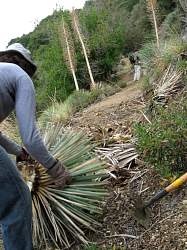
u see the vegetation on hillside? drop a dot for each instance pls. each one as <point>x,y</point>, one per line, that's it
<point>110,28</point>
<point>163,142</point>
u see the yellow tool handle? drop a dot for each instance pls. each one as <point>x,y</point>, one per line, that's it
<point>177,183</point>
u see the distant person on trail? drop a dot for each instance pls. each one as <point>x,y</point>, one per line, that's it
<point>135,61</point>
<point>17,93</point>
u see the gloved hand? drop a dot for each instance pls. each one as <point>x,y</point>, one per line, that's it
<point>24,155</point>
<point>60,174</point>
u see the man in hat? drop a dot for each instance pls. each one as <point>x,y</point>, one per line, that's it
<point>17,93</point>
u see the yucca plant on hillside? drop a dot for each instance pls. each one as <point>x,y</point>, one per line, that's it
<point>62,216</point>
<point>58,112</point>
<point>152,7</point>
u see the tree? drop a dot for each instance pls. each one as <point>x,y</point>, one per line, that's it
<point>103,25</point>
<point>138,28</point>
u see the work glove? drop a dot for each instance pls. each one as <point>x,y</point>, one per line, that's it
<point>24,155</point>
<point>60,174</point>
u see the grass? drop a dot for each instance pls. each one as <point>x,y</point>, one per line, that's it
<point>60,112</point>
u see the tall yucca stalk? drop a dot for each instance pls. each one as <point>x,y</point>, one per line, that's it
<point>68,49</point>
<point>151,6</point>
<point>62,216</point>
<point>77,29</point>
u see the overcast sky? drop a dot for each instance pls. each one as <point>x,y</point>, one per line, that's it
<point>18,17</point>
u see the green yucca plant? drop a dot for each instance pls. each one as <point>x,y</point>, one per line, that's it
<point>61,216</point>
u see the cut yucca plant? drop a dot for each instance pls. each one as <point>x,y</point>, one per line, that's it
<point>62,216</point>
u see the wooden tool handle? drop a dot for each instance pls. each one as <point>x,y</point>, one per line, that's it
<point>177,183</point>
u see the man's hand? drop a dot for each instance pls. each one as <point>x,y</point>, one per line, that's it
<point>23,156</point>
<point>60,174</point>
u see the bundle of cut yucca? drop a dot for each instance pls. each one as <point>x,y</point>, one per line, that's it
<point>61,217</point>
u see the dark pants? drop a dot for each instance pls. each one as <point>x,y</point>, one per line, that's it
<point>15,206</point>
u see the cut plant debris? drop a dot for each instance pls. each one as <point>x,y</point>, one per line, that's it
<point>63,216</point>
<point>118,155</point>
<point>169,85</point>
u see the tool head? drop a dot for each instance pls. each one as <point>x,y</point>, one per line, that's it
<point>141,212</point>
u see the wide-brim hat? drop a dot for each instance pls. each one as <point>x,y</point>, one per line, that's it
<point>20,50</point>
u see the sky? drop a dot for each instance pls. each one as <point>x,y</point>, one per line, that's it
<point>18,17</point>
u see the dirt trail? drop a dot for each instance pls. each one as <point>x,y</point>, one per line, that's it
<point>130,92</point>
<point>111,116</point>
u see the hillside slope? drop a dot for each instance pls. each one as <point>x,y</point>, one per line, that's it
<point>111,121</point>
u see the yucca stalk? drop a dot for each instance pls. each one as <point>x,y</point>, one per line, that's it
<point>68,50</point>
<point>77,29</point>
<point>62,216</point>
<point>151,6</point>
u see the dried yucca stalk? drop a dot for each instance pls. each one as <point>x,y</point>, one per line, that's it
<point>152,6</point>
<point>68,49</point>
<point>77,30</point>
<point>62,216</point>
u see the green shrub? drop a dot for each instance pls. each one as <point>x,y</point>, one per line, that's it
<point>122,84</point>
<point>164,142</point>
<point>79,100</point>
